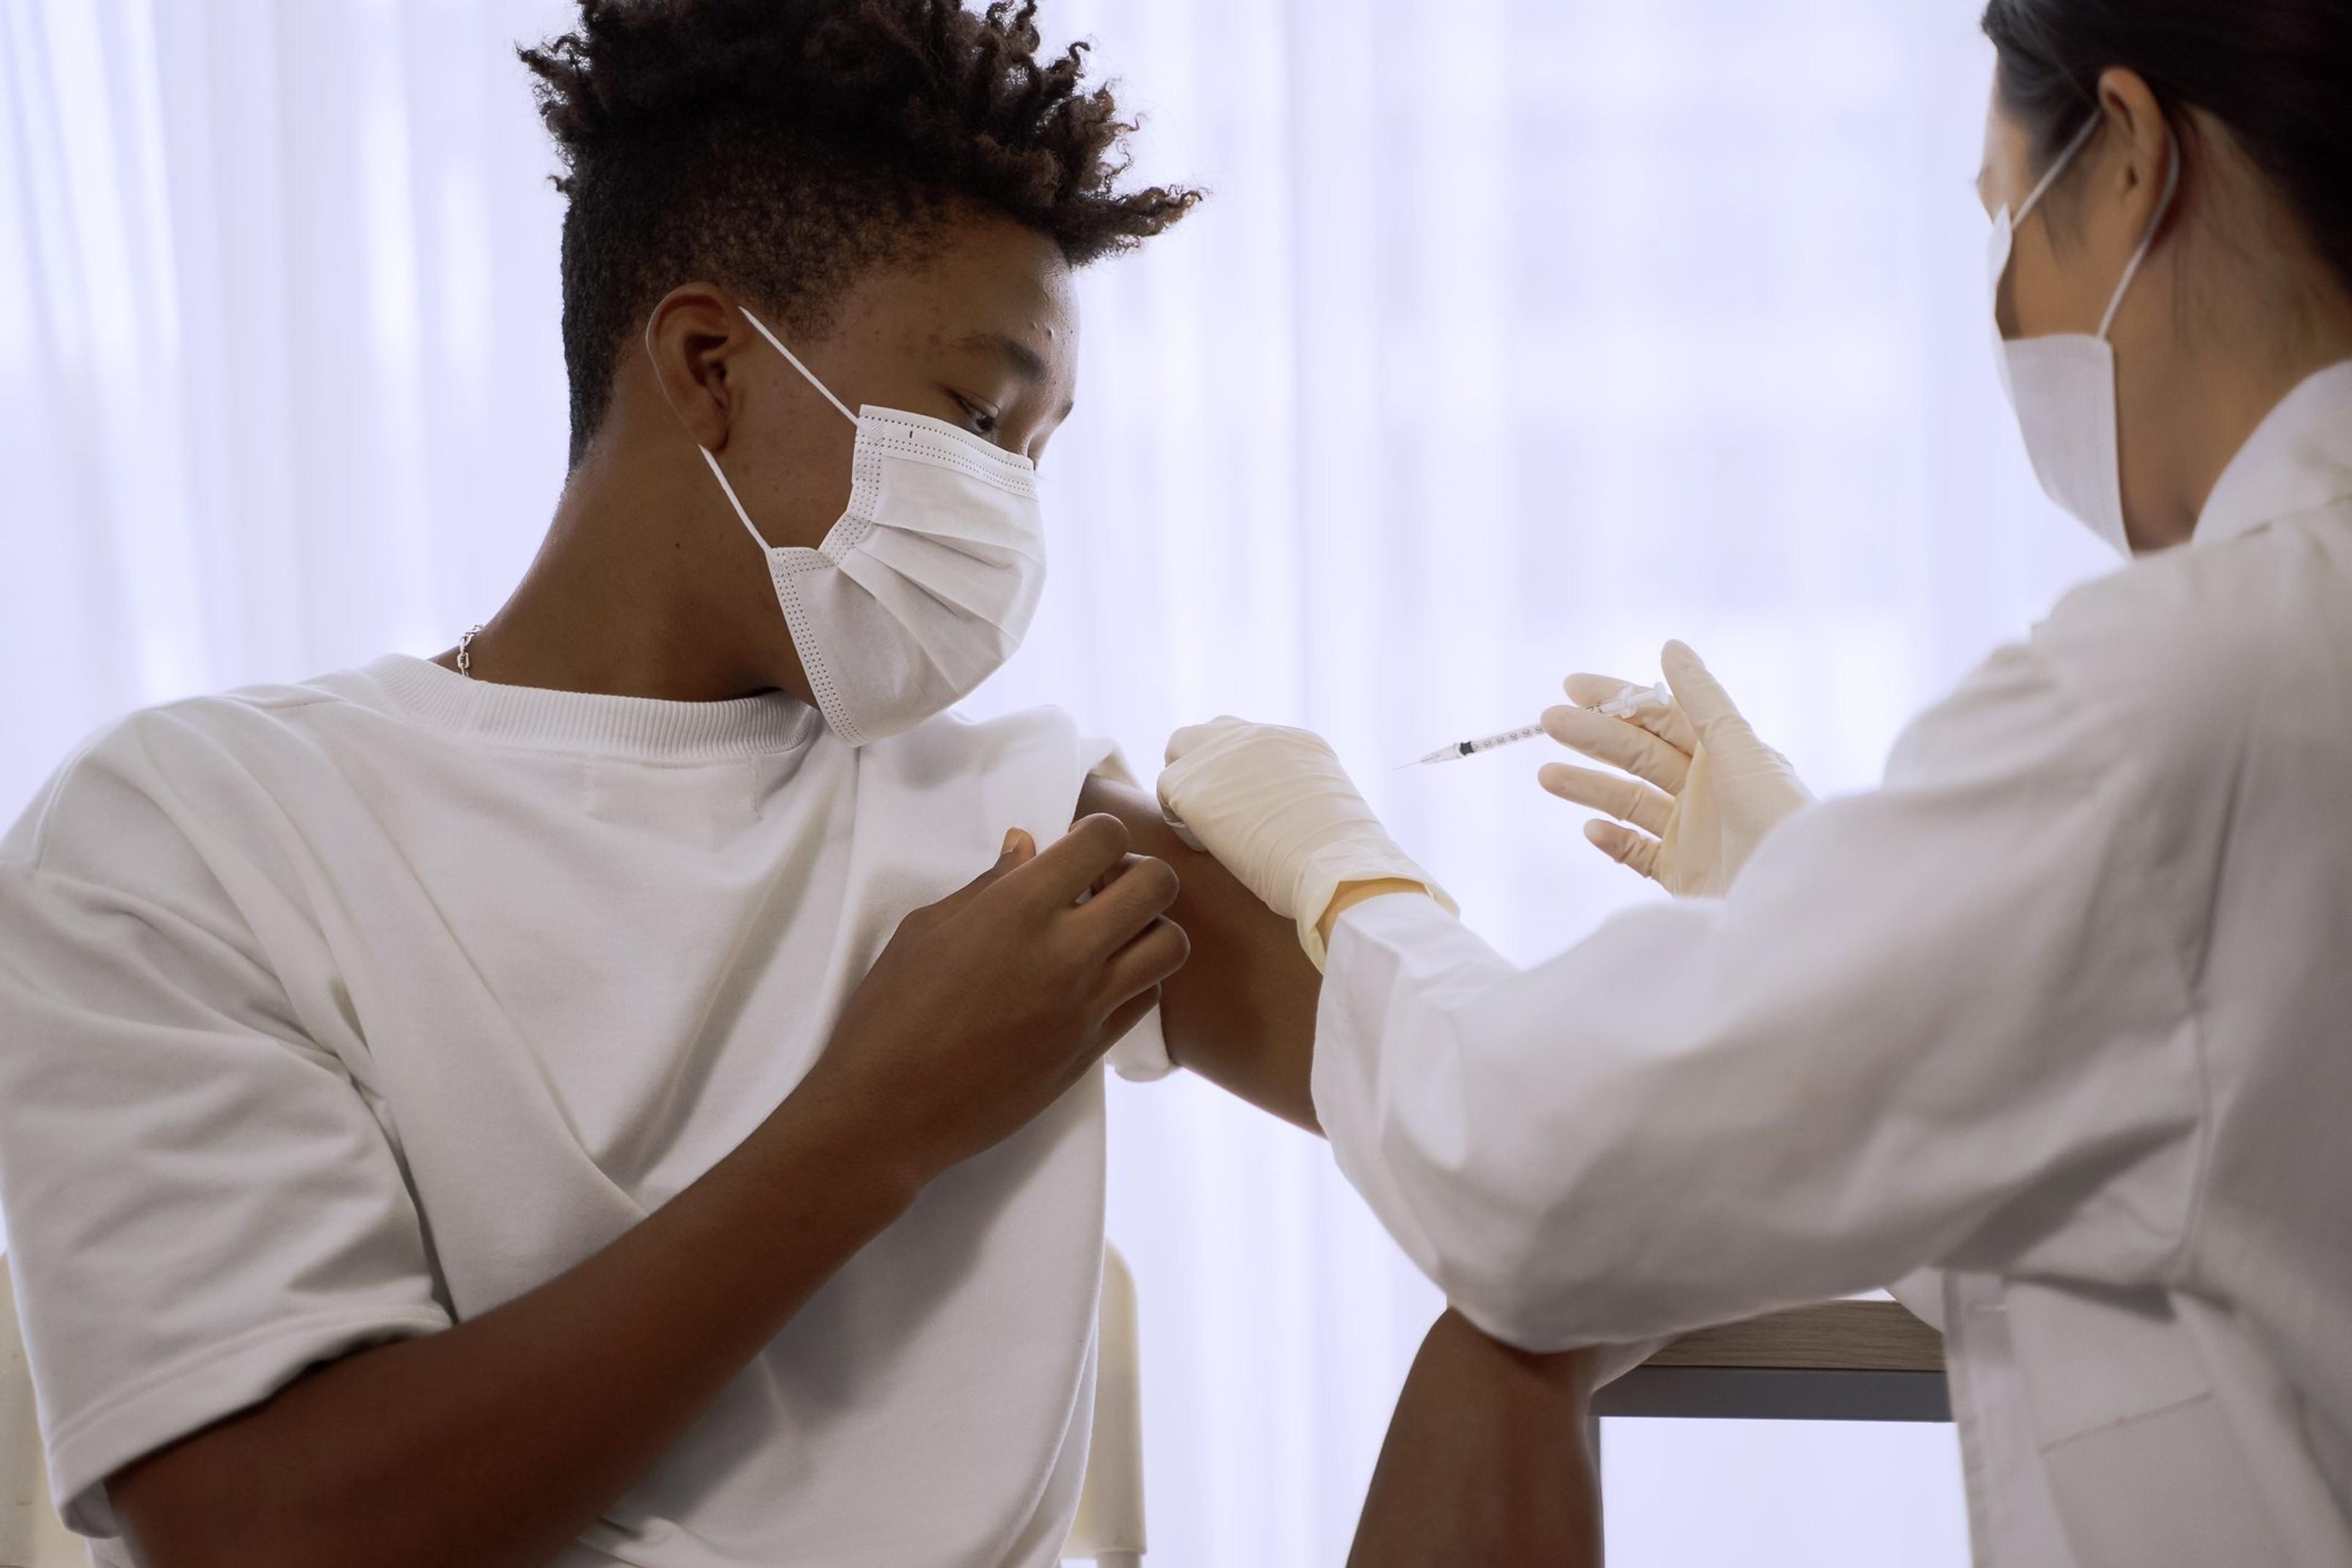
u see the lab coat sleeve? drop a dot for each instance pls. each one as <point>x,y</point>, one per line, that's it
<point>1940,1023</point>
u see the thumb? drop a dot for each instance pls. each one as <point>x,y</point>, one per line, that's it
<point>1189,738</point>
<point>1697,693</point>
<point>1019,851</point>
<point>1193,750</point>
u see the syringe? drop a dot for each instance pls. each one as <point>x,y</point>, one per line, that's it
<point>1461,749</point>
<point>1624,705</point>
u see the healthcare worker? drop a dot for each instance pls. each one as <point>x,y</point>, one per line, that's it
<point>2061,1013</point>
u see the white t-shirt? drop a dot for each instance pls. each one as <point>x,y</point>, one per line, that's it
<point>334,1013</point>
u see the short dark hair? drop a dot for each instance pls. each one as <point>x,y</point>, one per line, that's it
<point>784,147</point>
<point>2278,73</point>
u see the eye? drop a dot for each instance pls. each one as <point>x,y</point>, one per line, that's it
<point>981,420</point>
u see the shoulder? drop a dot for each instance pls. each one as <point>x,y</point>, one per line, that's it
<point>2193,652</point>
<point>954,746</point>
<point>145,781</point>
<point>2167,669</point>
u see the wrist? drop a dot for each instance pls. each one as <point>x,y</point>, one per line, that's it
<point>1366,858</point>
<point>842,1137</point>
<point>1350,894</point>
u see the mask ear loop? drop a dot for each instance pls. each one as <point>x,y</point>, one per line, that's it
<point>716,471</point>
<point>2164,207</point>
<point>796,364</point>
<point>810,377</point>
<point>2065,160</point>
<point>721,475</point>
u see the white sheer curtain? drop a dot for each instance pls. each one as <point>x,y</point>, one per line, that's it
<point>1520,335</point>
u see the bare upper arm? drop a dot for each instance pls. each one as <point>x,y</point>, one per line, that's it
<point>1242,1011</point>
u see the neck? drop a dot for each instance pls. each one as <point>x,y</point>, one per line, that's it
<point>2234,380</point>
<point>634,595</point>
<point>2237,407</point>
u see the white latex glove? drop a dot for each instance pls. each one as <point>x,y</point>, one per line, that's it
<point>1718,790</point>
<point>1276,808</point>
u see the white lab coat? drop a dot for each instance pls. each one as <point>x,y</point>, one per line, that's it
<point>2064,1011</point>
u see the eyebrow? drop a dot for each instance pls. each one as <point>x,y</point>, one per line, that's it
<point>1026,360</point>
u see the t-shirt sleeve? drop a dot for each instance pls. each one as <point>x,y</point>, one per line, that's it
<point>200,1203</point>
<point>1142,1054</point>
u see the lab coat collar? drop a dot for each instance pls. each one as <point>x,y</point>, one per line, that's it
<point>2298,460</point>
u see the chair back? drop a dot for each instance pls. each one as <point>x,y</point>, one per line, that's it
<point>1109,1526</point>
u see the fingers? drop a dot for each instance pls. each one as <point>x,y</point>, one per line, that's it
<point>1623,798</point>
<point>1625,846</point>
<point>1666,721</point>
<point>1139,891</point>
<point>1142,964</point>
<point>1592,690</point>
<point>1019,849</point>
<point>1192,735</point>
<point>1696,692</point>
<point>1092,847</point>
<point>1196,738</point>
<point>1620,744</point>
<point>1115,873</point>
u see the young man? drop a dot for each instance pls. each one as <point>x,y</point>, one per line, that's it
<point>477,1111</point>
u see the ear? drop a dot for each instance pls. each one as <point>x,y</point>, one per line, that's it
<point>2136,125</point>
<point>693,337</point>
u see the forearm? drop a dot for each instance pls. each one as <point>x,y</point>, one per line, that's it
<point>494,1443</point>
<point>1240,1012</point>
<point>1489,1460</point>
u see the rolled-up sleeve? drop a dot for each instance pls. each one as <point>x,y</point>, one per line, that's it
<point>200,1203</point>
<point>1140,1055</point>
<point>1946,1022</point>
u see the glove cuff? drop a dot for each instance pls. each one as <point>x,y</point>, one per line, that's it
<point>1329,869</point>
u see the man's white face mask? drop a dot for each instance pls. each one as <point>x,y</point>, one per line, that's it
<point>928,583</point>
<point>2063,387</point>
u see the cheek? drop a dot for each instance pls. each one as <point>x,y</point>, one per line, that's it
<point>798,481</point>
<point>2034,302</point>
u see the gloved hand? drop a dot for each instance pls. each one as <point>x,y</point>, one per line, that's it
<point>1276,808</point>
<point>1718,789</point>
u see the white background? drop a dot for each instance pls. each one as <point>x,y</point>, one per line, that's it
<point>1518,336</point>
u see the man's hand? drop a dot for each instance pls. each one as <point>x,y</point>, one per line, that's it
<point>494,1443</point>
<point>988,1005</point>
<point>1242,1012</point>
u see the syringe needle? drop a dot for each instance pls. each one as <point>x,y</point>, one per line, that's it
<point>1624,705</point>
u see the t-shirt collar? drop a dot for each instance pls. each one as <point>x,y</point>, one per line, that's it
<point>643,727</point>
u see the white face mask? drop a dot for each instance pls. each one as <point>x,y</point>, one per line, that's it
<point>928,583</point>
<point>2063,387</point>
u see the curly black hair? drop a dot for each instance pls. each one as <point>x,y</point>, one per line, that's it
<point>784,147</point>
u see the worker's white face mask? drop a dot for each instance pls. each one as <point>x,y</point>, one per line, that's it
<point>928,583</point>
<point>2063,387</point>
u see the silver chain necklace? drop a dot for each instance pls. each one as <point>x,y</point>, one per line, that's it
<point>466,652</point>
